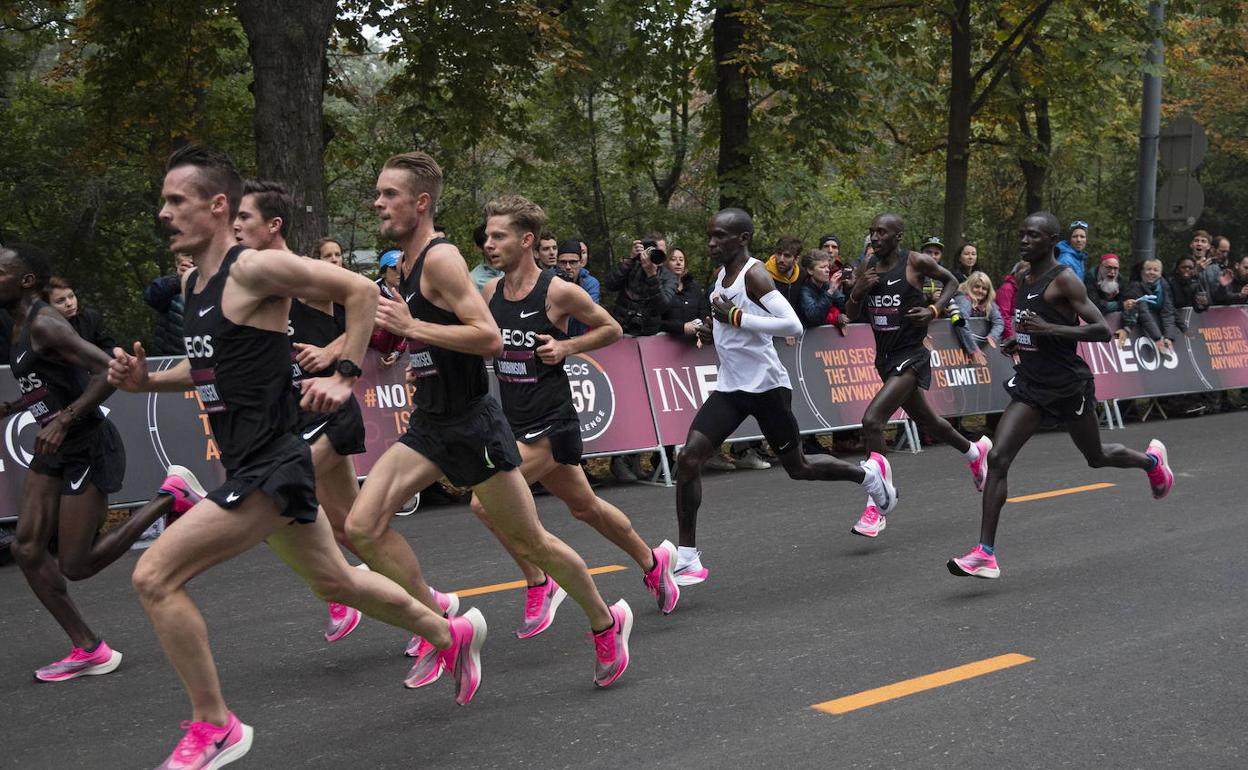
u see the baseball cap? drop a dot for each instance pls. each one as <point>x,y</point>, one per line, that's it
<point>932,240</point>
<point>389,259</point>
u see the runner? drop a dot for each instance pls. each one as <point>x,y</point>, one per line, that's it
<point>533,308</point>
<point>78,461</point>
<point>238,359</point>
<point>1051,385</point>
<point>748,312</point>
<point>457,429</point>
<point>316,331</point>
<point>887,290</point>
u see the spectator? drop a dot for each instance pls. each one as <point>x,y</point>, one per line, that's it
<point>1188,289</point>
<point>387,344</point>
<point>439,231</point>
<point>645,288</point>
<point>832,246</point>
<point>568,267</point>
<point>785,271</point>
<point>822,300</point>
<point>934,247</point>
<point>977,299</point>
<point>1005,299</point>
<point>164,295</point>
<point>1072,252</point>
<point>86,321</point>
<point>547,251</point>
<point>690,308</point>
<point>964,265</point>
<point>1105,285</point>
<point>329,250</point>
<point>1148,305</point>
<point>1221,249</point>
<point>485,271</point>
<point>1232,285</point>
<point>1201,249</point>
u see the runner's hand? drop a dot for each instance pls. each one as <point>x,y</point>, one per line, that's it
<point>864,278</point>
<point>1033,324</point>
<point>51,435</point>
<point>394,316</point>
<point>129,372</point>
<point>1009,346</point>
<point>325,394</point>
<point>550,351</point>
<point>720,308</point>
<point>312,358</point>
<point>920,315</point>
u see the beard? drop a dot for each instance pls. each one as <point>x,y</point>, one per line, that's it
<point>1108,287</point>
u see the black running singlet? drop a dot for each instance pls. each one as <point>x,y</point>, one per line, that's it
<point>310,326</point>
<point>1046,360</point>
<point>887,304</point>
<point>242,373</point>
<point>447,382</point>
<point>49,383</point>
<point>531,391</point>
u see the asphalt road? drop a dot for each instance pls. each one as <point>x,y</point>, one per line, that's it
<point>1133,610</point>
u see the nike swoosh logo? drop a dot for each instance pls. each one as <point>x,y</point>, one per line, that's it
<point>531,312</point>
<point>1032,296</point>
<point>784,447</point>
<point>896,280</point>
<point>900,366</point>
<point>1010,383</point>
<point>409,296</point>
<point>21,356</point>
<point>536,433</point>
<point>314,431</point>
<point>1079,411</point>
<point>231,497</point>
<point>206,311</point>
<point>75,484</point>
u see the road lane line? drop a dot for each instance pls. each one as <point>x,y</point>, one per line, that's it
<point>1059,493</point>
<point>521,584</point>
<point>921,683</point>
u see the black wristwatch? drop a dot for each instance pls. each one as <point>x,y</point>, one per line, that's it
<point>347,368</point>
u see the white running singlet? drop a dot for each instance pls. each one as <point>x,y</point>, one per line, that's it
<point>747,358</point>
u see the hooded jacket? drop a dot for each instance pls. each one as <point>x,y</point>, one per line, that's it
<point>1075,260</point>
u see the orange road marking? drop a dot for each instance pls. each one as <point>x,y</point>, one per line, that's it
<point>921,683</point>
<point>521,584</point>
<point>1058,493</point>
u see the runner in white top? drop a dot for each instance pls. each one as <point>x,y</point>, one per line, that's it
<point>748,312</point>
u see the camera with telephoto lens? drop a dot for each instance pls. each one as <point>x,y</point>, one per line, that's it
<point>651,251</point>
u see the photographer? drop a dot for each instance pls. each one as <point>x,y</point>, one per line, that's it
<point>1231,287</point>
<point>646,288</point>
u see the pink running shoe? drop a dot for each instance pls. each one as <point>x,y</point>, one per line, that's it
<point>540,604</point>
<point>1161,478</point>
<point>661,581</point>
<point>184,488</point>
<point>871,523</point>
<point>207,747</point>
<point>79,662</point>
<point>979,468</point>
<point>428,666</point>
<point>463,657</point>
<point>611,645</point>
<point>978,563</point>
<point>449,604</point>
<point>342,621</point>
<point>879,483</point>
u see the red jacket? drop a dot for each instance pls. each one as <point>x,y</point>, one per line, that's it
<point>1005,301</point>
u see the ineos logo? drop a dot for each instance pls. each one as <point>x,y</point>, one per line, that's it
<point>519,338</point>
<point>199,346</point>
<point>29,383</point>
<point>592,395</point>
<point>884,300</point>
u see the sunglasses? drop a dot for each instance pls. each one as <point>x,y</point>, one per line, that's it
<point>1079,223</point>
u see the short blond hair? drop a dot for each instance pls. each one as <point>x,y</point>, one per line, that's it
<point>422,169</point>
<point>522,213</point>
<point>978,278</point>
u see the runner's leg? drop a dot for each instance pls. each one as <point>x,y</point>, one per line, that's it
<point>1018,423</point>
<point>933,424</point>
<point>568,483</point>
<point>891,395</point>
<point>82,553</point>
<point>337,487</point>
<point>534,464</point>
<point>1085,431</point>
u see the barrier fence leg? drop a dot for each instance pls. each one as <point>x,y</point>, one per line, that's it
<point>1118,414</point>
<point>661,476</point>
<point>1107,413</point>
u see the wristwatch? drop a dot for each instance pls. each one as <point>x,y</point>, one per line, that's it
<point>347,368</point>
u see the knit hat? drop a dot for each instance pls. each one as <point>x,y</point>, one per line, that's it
<point>570,246</point>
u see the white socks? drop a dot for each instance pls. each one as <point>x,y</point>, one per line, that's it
<point>686,556</point>
<point>972,454</point>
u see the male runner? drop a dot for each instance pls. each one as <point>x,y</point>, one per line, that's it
<point>748,312</point>
<point>457,429</point>
<point>238,359</point>
<point>316,331</point>
<point>887,289</point>
<point>533,308</point>
<point>1051,384</point>
<point>79,459</point>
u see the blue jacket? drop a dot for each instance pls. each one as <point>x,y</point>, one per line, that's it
<point>1075,260</point>
<point>594,289</point>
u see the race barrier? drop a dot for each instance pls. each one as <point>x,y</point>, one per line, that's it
<point>642,393</point>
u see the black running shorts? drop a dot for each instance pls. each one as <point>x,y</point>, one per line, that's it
<point>345,428</point>
<point>917,360</point>
<point>1057,407</point>
<point>469,448</point>
<point>725,410</point>
<point>95,457</point>
<point>284,472</point>
<point>564,435</point>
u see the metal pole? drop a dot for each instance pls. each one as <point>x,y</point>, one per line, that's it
<point>1143,245</point>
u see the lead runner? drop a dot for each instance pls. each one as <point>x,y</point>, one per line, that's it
<point>1051,384</point>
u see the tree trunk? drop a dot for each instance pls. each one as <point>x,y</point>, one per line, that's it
<point>600,201</point>
<point>961,94</point>
<point>732,95</point>
<point>287,42</point>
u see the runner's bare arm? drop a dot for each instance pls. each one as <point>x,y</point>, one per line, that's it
<point>570,300</point>
<point>51,333</point>
<point>128,372</point>
<point>1068,286</point>
<point>447,284</point>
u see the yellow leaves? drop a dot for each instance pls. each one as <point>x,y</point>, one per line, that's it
<point>787,69</point>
